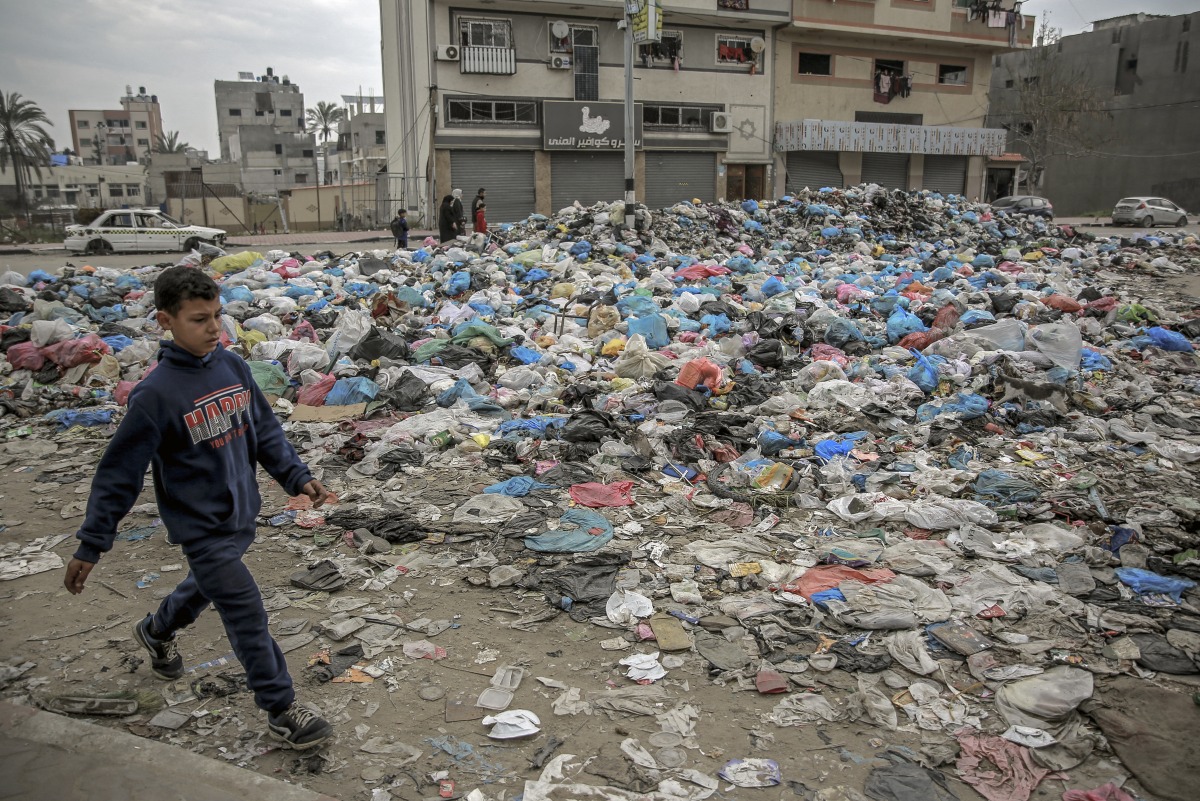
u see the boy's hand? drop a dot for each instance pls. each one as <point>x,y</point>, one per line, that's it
<point>77,573</point>
<point>317,492</point>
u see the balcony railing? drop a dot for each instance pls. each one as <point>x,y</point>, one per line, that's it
<point>871,137</point>
<point>480,60</point>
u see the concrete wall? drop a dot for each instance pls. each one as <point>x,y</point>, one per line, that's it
<point>1146,145</point>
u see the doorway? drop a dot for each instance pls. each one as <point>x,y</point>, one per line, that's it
<point>745,181</point>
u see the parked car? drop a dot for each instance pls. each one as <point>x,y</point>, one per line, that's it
<point>1025,204</point>
<point>138,231</point>
<point>1146,212</point>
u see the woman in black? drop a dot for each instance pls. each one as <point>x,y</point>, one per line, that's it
<point>447,221</point>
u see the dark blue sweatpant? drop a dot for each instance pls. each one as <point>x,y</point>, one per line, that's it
<point>219,576</point>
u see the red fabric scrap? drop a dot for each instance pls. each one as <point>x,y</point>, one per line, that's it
<point>595,495</point>
<point>826,577</point>
<point>1015,774</point>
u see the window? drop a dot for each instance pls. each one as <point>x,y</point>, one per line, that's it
<point>1181,56</point>
<point>259,113</point>
<point>1187,24</point>
<point>235,112</point>
<point>278,150</point>
<point>815,64</point>
<point>143,143</point>
<point>1008,84</point>
<point>1116,36</point>
<point>669,49</point>
<point>586,35</point>
<point>485,33</point>
<point>82,124</point>
<point>889,65</point>
<point>686,118</point>
<point>301,177</point>
<point>277,172</point>
<point>132,190</point>
<point>507,112</point>
<point>735,50</point>
<point>952,75</point>
<point>140,125</point>
<point>51,191</point>
<point>381,137</point>
<point>115,190</point>
<point>285,112</point>
<point>308,154</point>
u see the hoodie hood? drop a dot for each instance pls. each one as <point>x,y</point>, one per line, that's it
<point>176,356</point>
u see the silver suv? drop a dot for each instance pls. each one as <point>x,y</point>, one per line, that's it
<point>1146,212</point>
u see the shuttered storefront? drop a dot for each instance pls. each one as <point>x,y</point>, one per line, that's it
<point>813,169</point>
<point>507,175</point>
<point>889,170</point>
<point>672,177</point>
<point>946,174</point>
<point>586,177</point>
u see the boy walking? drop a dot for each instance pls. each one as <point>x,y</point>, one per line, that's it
<point>481,218</point>
<point>400,228</point>
<point>204,425</point>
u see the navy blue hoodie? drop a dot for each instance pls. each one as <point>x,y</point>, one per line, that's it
<point>204,425</point>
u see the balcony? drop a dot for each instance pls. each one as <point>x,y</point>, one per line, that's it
<point>874,137</point>
<point>480,60</point>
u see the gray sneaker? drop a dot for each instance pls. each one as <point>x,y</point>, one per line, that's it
<point>299,727</point>
<point>165,661</point>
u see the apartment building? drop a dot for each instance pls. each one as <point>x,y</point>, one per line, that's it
<point>260,125</point>
<point>893,92</point>
<point>116,137</point>
<point>526,99</point>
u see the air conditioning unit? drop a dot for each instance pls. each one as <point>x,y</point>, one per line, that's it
<point>447,52</point>
<point>720,122</point>
<point>560,63</point>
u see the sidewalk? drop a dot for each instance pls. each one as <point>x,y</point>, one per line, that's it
<point>45,756</point>
<point>322,238</point>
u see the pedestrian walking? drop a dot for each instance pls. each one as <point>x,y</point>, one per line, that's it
<point>460,216</point>
<point>204,424</point>
<point>400,228</point>
<point>478,201</point>
<point>480,218</point>
<point>447,222</point>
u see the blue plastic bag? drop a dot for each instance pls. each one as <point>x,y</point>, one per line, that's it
<point>1095,361</point>
<point>525,355</point>
<point>1169,340</point>
<point>772,287</point>
<point>1145,582</point>
<point>828,449</point>
<point>653,328</point>
<point>717,324</point>
<point>771,442</point>
<point>458,283</point>
<point>349,391</point>
<point>516,487</point>
<point>118,342</point>
<point>580,530</point>
<point>637,306</point>
<point>924,373</point>
<point>967,407</point>
<point>901,323</point>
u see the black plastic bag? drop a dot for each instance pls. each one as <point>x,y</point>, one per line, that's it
<point>587,425</point>
<point>378,344</point>
<point>767,353</point>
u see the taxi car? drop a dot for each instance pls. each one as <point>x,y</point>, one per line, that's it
<point>138,231</point>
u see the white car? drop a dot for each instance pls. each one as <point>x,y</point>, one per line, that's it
<point>138,231</point>
<point>1147,212</point>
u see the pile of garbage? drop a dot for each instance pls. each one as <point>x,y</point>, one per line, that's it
<point>937,451</point>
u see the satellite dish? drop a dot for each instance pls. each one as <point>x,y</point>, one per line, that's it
<point>758,44</point>
<point>560,29</point>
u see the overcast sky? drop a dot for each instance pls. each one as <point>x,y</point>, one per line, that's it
<point>66,54</point>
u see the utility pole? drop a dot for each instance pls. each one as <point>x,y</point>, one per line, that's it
<point>630,127</point>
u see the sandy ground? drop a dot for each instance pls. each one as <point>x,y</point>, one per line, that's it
<point>83,645</point>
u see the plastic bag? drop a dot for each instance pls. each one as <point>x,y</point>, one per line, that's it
<point>638,361</point>
<point>902,322</point>
<point>314,394</point>
<point>1146,582</point>
<point>307,357</point>
<point>1169,340</point>
<point>592,494</point>
<point>579,531</point>
<point>270,377</point>
<point>1061,343</point>
<point>348,391</point>
<point>602,318</point>
<point>652,328</point>
<point>86,350</point>
<point>700,372</point>
<point>26,356</point>
<point>924,373</point>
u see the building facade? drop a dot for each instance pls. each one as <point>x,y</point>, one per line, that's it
<point>261,127</point>
<point>892,92</point>
<point>526,99</point>
<point>1141,73</point>
<point>360,151</point>
<point>85,186</point>
<point>116,137</point>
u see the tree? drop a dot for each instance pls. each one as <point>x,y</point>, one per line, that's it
<point>23,140</point>
<point>169,142</point>
<point>1050,105</point>
<point>323,120</point>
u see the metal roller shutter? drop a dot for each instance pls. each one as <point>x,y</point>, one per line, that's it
<point>672,177</point>
<point>586,177</point>
<point>889,170</point>
<point>946,174</point>
<point>813,169</point>
<point>507,175</point>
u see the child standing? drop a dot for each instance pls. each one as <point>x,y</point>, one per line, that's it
<point>400,228</point>
<point>204,425</point>
<point>480,219</point>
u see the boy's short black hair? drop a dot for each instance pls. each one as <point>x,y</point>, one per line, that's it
<point>179,284</point>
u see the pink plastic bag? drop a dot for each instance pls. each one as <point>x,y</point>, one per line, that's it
<point>26,356</point>
<point>71,352</point>
<point>314,394</point>
<point>700,371</point>
<point>618,493</point>
<point>821,352</point>
<point>304,330</point>
<point>122,390</point>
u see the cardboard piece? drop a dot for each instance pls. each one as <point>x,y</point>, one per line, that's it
<point>327,414</point>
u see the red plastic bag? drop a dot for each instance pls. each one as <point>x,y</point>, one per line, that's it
<point>26,356</point>
<point>1063,304</point>
<point>71,352</point>
<point>826,577</point>
<point>304,330</point>
<point>618,493</point>
<point>920,340</point>
<point>314,394</point>
<point>122,390</point>
<point>822,352</point>
<point>700,371</point>
<point>1104,304</point>
<point>947,317</point>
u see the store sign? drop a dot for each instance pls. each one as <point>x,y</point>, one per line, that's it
<point>587,125</point>
<point>870,137</point>
<point>646,19</point>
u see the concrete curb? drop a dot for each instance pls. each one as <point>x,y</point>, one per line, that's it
<point>84,758</point>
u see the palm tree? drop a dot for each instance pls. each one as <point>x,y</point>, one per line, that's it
<point>169,142</point>
<point>323,121</point>
<point>23,140</point>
